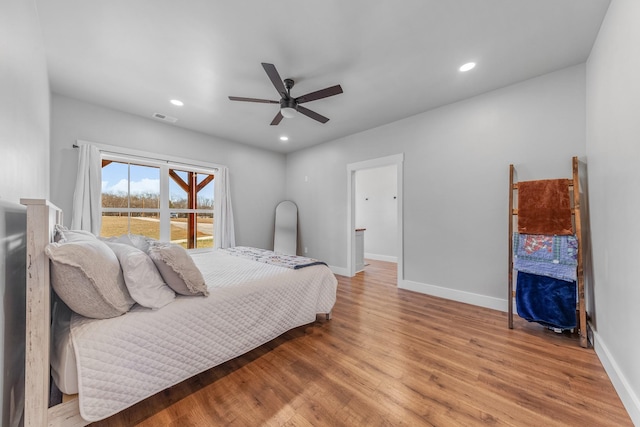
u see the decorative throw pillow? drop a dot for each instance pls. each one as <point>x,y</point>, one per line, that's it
<point>142,277</point>
<point>63,235</point>
<point>177,268</point>
<point>86,275</point>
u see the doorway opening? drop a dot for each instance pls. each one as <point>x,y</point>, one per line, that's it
<point>352,169</point>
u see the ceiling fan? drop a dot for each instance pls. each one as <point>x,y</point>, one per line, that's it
<point>288,104</point>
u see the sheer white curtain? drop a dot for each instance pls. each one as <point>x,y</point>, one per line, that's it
<point>223,213</point>
<point>87,195</point>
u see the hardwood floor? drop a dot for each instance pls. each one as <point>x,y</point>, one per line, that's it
<point>391,357</point>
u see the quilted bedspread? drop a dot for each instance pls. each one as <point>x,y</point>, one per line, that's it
<point>124,360</point>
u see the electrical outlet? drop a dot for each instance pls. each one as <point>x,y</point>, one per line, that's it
<point>306,249</point>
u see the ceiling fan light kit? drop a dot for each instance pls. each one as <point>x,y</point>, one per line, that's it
<point>288,112</point>
<point>289,106</point>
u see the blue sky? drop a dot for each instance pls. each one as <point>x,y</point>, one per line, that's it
<point>144,180</point>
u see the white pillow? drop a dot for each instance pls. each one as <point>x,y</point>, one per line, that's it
<point>177,268</point>
<point>86,275</point>
<point>142,277</point>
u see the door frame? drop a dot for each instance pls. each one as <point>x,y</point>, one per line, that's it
<point>352,168</point>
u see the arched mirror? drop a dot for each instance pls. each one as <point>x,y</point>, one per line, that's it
<point>286,233</point>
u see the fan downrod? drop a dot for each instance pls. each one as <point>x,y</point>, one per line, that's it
<point>288,84</point>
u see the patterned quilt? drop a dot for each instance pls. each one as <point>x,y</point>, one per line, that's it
<point>551,256</point>
<point>274,258</point>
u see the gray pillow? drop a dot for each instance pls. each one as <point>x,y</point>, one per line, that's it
<point>177,268</point>
<point>86,275</point>
<point>63,235</point>
<point>142,277</point>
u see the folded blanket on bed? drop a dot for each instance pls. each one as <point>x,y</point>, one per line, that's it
<point>545,300</point>
<point>274,258</point>
<point>544,207</point>
<point>552,256</point>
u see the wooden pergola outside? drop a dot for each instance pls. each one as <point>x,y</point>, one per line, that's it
<point>192,188</point>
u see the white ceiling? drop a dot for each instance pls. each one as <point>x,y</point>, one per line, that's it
<point>393,59</point>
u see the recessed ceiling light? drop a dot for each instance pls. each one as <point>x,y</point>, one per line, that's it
<point>468,66</point>
<point>284,138</point>
<point>177,102</point>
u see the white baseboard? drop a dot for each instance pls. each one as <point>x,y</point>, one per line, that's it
<point>628,397</point>
<point>342,271</point>
<point>456,295</point>
<point>377,257</point>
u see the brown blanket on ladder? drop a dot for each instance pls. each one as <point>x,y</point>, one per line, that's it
<point>544,207</point>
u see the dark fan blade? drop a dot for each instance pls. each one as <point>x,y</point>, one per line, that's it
<point>319,94</point>
<point>276,120</point>
<point>264,101</point>
<point>275,78</point>
<point>312,114</point>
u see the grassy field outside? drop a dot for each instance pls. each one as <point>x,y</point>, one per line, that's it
<point>113,226</point>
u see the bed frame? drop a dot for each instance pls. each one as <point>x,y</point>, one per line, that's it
<point>42,216</point>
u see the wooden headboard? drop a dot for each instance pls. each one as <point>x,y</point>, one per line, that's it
<point>42,217</point>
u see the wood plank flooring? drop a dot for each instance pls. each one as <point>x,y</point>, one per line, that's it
<point>391,357</point>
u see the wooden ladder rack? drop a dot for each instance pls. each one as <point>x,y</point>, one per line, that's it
<point>574,184</point>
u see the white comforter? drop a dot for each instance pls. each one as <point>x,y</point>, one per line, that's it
<point>126,359</point>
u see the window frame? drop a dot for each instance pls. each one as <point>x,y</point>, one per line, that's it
<point>135,157</point>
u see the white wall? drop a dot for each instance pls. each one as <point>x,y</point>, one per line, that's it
<point>613,150</point>
<point>24,103</point>
<point>377,211</point>
<point>455,181</point>
<point>24,172</point>
<point>257,176</point>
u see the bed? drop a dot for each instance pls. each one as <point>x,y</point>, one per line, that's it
<point>114,363</point>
